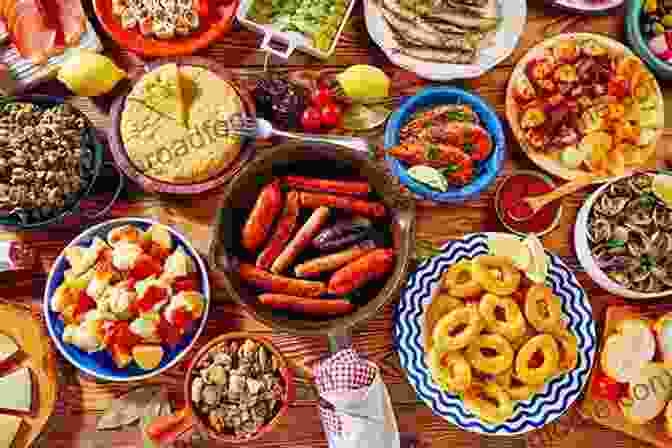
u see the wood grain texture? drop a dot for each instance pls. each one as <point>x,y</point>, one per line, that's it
<point>84,399</point>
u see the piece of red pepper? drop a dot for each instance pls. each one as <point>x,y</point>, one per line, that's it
<point>608,388</point>
<point>186,283</point>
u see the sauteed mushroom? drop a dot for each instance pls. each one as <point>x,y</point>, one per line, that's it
<point>630,235</point>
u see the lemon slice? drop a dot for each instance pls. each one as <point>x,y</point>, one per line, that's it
<point>662,188</point>
<point>512,247</point>
<point>538,268</point>
<point>429,176</point>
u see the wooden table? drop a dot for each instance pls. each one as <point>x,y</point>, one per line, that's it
<point>83,399</point>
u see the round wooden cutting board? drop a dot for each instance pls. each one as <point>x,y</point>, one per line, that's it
<point>36,353</point>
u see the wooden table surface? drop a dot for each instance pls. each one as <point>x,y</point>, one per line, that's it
<point>83,399</point>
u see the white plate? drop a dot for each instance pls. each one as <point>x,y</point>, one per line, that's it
<point>513,14</point>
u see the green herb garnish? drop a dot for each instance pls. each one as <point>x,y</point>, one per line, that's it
<point>452,168</point>
<point>648,200</point>
<point>613,244</point>
<point>457,115</point>
<point>647,262</point>
<point>432,152</point>
<point>468,147</point>
<point>284,188</point>
<point>427,124</point>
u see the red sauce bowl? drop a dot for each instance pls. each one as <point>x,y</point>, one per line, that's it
<point>513,189</point>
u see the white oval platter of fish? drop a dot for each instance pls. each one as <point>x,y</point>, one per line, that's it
<point>442,40</point>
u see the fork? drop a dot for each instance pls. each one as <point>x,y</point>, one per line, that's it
<point>260,128</point>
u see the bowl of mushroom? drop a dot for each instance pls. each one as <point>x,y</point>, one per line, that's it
<point>623,236</point>
<point>238,388</point>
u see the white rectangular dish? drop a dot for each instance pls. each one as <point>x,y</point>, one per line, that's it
<point>292,40</point>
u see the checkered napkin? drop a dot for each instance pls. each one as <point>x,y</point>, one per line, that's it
<point>355,407</point>
<point>342,372</point>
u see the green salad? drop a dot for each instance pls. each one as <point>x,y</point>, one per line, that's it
<point>317,19</point>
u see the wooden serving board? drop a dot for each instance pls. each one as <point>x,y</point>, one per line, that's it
<point>36,353</point>
<point>607,413</point>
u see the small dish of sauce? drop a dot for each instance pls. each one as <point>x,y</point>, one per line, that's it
<point>509,202</point>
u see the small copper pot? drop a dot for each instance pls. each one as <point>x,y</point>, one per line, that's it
<point>188,419</point>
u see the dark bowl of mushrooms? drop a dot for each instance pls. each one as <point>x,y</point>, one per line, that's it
<point>623,236</point>
<point>238,388</point>
<point>50,159</point>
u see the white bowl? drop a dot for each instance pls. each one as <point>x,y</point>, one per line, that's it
<point>583,253</point>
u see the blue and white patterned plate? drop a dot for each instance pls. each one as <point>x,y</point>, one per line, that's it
<point>558,394</point>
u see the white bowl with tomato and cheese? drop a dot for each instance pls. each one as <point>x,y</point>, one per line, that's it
<point>127,299</point>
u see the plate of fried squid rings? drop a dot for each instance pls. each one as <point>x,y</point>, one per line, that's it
<point>489,347</point>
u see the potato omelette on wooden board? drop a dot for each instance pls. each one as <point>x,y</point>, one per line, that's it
<point>173,124</point>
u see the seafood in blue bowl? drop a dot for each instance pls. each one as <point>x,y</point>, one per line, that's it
<point>445,145</point>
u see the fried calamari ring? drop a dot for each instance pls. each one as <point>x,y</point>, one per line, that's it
<point>490,353</point>
<point>516,389</point>
<point>450,370</point>
<point>538,374</point>
<point>513,325</point>
<point>530,332</point>
<point>441,305</point>
<point>542,309</point>
<point>568,345</point>
<point>459,281</point>
<point>497,275</point>
<point>489,401</point>
<point>458,328</point>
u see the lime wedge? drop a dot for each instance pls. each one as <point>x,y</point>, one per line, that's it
<point>662,188</point>
<point>538,268</point>
<point>429,176</point>
<point>510,246</point>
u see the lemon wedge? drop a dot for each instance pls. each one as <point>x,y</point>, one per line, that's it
<point>87,73</point>
<point>538,268</point>
<point>429,176</point>
<point>662,188</point>
<point>510,246</point>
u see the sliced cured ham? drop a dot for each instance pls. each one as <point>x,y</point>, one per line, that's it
<point>30,30</point>
<point>71,18</point>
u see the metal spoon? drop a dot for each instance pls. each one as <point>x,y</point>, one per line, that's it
<point>536,203</point>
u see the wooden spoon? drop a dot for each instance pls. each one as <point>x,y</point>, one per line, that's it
<point>536,203</point>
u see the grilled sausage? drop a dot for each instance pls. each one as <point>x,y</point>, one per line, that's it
<point>349,187</point>
<point>280,284</point>
<point>283,231</point>
<point>262,216</point>
<point>357,206</point>
<point>332,262</point>
<point>301,240</point>
<point>372,266</point>
<point>306,305</point>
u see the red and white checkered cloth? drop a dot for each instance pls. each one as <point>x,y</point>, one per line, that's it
<point>342,372</point>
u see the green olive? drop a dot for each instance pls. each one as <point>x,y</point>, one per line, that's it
<point>658,28</point>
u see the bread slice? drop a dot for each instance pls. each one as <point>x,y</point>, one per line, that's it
<point>648,394</point>
<point>9,428</point>
<point>628,350</point>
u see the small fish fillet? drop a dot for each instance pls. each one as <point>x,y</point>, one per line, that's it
<point>463,20</point>
<point>395,7</point>
<point>407,29</point>
<point>438,55</point>
<point>485,12</point>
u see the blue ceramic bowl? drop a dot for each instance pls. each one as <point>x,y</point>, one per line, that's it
<point>634,36</point>
<point>487,170</point>
<point>100,364</point>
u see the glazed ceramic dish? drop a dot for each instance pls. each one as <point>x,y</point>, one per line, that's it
<point>100,364</point>
<point>151,184</point>
<point>513,17</point>
<point>92,145</point>
<point>633,33</point>
<point>514,114</point>
<point>587,7</point>
<point>486,171</point>
<point>556,396</point>
<point>309,160</point>
<point>585,252</point>
<point>218,22</point>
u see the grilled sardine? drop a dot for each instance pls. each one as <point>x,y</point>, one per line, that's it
<point>412,32</point>
<point>464,20</point>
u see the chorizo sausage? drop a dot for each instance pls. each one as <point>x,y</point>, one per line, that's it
<point>307,305</point>
<point>301,240</point>
<point>262,216</point>
<point>283,231</point>
<point>357,206</point>
<point>372,266</point>
<point>280,284</point>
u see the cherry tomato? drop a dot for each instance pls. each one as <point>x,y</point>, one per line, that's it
<point>145,266</point>
<point>321,97</point>
<point>187,283</point>
<point>203,8</point>
<point>607,387</point>
<point>618,87</point>
<point>181,318</point>
<point>331,115</point>
<point>311,119</point>
<point>119,334</point>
